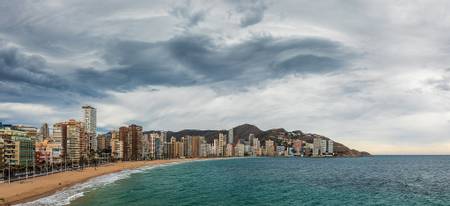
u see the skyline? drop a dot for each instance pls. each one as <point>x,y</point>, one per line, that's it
<point>372,75</point>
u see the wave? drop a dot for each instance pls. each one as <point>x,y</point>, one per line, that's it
<point>64,197</point>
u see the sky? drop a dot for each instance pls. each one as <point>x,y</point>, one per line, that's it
<point>373,75</point>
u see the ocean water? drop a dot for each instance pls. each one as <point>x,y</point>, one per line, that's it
<point>378,180</point>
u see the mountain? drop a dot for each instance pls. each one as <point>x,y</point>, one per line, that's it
<point>242,132</point>
<point>279,135</point>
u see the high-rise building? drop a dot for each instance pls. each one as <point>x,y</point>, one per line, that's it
<point>195,146</point>
<point>202,147</point>
<point>239,149</point>
<point>173,148</point>
<point>326,147</point>
<point>180,149</point>
<point>231,136</point>
<point>135,135</point>
<point>116,145</point>
<point>89,120</point>
<point>189,147</point>
<point>322,146</point>
<point>158,148</point>
<point>152,145</point>
<point>221,145</point>
<point>251,138</point>
<point>44,132</point>
<point>270,148</point>
<point>330,147</point>
<point>145,147</point>
<point>298,147</point>
<point>74,141</point>
<point>126,143</point>
<point>215,147</point>
<point>60,136</point>
<point>229,150</point>
<point>2,155</point>
<point>317,142</point>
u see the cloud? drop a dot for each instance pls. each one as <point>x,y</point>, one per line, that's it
<point>442,82</point>
<point>27,69</point>
<point>371,81</point>
<point>252,12</point>
<point>198,60</point>
<point>14,112</point>
<point>187,13</point>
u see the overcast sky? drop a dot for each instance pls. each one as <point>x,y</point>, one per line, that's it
<point>373,75</point>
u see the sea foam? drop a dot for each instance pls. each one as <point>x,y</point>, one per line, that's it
<point>67,195</point>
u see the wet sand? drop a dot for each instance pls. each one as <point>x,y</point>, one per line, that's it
<point>35,188</point>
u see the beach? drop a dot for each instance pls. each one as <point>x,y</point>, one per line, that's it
<point>35,188</point>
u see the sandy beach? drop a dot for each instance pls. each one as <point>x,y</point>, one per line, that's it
<point>35,188</point>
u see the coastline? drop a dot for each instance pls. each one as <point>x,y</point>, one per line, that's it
<point>39,187</point>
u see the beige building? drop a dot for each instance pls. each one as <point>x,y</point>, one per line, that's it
<point>116,146</point>
<point>270,148</point>
<point>239,150</point>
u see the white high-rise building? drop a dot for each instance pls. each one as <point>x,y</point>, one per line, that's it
<point>89,120</point>
<point>230,136</point>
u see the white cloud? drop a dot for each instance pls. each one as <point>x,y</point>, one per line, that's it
<point>393,98</point>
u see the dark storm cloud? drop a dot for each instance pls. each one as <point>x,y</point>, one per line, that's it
<point>25,78</point>
<point>192,60</point>
<point>20,68</point>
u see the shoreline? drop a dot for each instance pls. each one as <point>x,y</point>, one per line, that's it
<point>35,188</point>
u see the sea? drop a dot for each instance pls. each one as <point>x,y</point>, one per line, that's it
<point>376,180</point>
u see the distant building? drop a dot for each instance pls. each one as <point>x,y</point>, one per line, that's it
<point>229,150</point>
<point>239,150</point>
<point>298,147</point>
<point>44,132</point>
<point>215,147</point>
<point>221,145</point>
<point>256,147</point>
<point>270,148</point>
<point>280,150</point>
<point>231,136</point>
<point>251,138</point>
<point>322,147</point>
<point>152,144</point>
<point>195,146</point>
<point>158,148</point>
